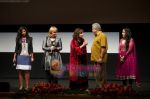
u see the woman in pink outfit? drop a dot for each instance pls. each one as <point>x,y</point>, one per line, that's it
<point>127,69</point>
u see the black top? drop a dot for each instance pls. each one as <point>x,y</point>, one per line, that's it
<point>18,47</point>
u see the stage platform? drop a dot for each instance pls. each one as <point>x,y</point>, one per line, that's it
<point>142,93</point>
<point>14,95</point>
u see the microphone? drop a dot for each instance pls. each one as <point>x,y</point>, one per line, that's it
<point>14,64</point>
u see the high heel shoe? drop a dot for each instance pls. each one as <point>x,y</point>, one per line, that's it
<point>26,89</point>
<point>20,88</point>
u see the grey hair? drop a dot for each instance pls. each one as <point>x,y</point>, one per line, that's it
<point>96,26</point>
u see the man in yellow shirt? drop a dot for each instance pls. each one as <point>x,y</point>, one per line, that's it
<point>99,54</point>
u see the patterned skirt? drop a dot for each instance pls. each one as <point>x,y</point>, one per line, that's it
<point>49,57</point>
<point>23,62</point>
<point>128,68</point>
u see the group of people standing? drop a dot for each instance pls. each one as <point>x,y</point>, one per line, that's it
<point>127,69</point>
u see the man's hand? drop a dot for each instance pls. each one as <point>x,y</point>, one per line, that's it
<point>100,60</point>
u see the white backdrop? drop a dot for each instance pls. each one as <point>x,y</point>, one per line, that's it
<point>7,41</point>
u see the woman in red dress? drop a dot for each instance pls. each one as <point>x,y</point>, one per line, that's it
<point>78,61</point>
<point>127,69</point>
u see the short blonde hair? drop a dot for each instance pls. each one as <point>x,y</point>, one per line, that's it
<point>52,29</point>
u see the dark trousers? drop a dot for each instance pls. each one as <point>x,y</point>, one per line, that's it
<point>80,84</point>
<point>100,73</point>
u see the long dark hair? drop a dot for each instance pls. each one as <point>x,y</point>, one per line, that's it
<point>127,37</point>
<point>76,37</point>
<point>19,34</point>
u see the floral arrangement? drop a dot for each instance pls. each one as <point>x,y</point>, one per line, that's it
<point>47,88</point>
<point>113,89</point>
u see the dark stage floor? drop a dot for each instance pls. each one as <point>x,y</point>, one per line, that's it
<point>143,90</point>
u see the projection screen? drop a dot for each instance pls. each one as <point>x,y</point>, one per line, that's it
<point>7,41</point>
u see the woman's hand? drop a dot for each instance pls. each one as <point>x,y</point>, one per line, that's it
<point>32,59</point>
<point>85,43</point>
<point>14,60</point>
<point>122,58</point>
<point>52,48</point>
